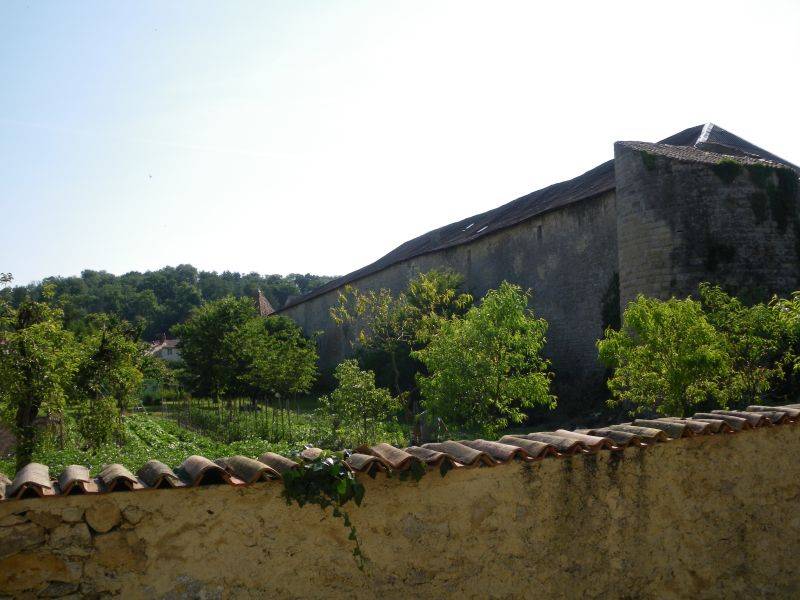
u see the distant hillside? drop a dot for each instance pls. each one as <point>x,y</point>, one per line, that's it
<point>157,300</point>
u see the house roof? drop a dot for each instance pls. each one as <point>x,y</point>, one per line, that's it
<point>264,307</point>
<point>162,344</point>
<point>708,137</point>
<point>35,480</point>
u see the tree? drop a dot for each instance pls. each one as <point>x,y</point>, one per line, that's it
<point>276,362</point>
<point>108,377</point>
<point>486,367</point>
<point>357,404</point>
<point>37,361</point>
<point>394,326</point>
<point>667,358</point>
<point>758,340</point>
<point>202,343</point>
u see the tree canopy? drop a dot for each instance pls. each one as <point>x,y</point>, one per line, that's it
<point>155,301</point>
<point>486,367</point>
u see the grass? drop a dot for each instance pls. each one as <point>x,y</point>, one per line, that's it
<point>148,437</point>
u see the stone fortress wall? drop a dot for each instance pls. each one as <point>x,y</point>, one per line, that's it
<point>675,218</point>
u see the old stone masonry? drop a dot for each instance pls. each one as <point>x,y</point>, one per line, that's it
<point>658,219</point>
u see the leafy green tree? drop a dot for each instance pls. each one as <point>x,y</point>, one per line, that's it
<point>395,325</point>
<point>667,358</point>
<point>278,360</point>
<point>485,368</point>
<point>357,404</point>
<point>758,340</point>
<point>37,361</point>
<point>202,344</point>
<point>108,378</point>
<point>160,299</point>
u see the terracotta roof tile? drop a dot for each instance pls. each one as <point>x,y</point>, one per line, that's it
<point>754,418</point>
<point>499,451</point>
<point>562,444</point>
<point>534,448</point>
<point>432,458</point>
<point>247,469</point>
<point>76,480</point>
<point>462,454</point>
<point>279,463</point>
<point>5,483</point>
<point>365,463</point>
<point>116,478</point>
<point>158,475</point>
<point>735,423</point>
<point>34,479</point>
<point>649,434</point>
<point>671,428</point>
<point>621,439</point>
<point>391,457</point>
<point>592,443</point>
<point>201,471</point>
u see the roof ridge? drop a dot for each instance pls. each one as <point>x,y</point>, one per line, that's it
<point>34,479</point>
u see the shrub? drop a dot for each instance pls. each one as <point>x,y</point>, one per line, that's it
<point>667,357</point>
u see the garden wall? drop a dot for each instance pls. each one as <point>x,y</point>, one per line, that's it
<point>703,517</point>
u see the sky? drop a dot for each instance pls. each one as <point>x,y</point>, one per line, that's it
<point>305,136</point>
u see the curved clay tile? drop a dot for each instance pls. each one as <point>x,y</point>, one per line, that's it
<point>697,427</point>
<point>649,434</point>
<point>563,444</point>
<point>497,450</point>
<point>735,423</point>
<point>279,463</point>
<point>5,483</point>
<point>714,425</point>
<point>201,471</point>
<point>461,453</point>
<point>116,478</point>
<point>247,469</point>
<point>31,481</point>
<point>158,475</point>
<point>621,439</point>
<point>755,419</point>
<point>394,458</point>
<point>432,458</point>
<point>364,463</point>
<point>592,443</point>
<point>792,413</point>
<point>672,429</point>
<point>75,479</point>
<point>532,447</point>
<point>310,453</point>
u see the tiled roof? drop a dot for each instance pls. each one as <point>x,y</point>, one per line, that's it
<point>597,181</point>
<point>35,480</point>
<point>264,307</point>
<point>696,155</point>
<point>162,345</point>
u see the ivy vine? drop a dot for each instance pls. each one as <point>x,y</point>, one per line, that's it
<point>328,482</point>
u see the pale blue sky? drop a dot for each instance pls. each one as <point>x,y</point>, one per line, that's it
<point>316,136</point>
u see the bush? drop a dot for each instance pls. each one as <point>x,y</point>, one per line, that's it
<point>357,406</point>
<point>667,358</point>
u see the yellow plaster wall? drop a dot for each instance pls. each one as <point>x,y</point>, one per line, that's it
<point>708,517</point>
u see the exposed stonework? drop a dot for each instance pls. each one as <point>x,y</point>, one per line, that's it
<point>702,517</point>
<point>645,223</point>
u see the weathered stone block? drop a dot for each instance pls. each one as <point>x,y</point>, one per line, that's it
<point>32,571</point>
<point>103,515</point>
<point>72,539</point>
<point>21,537</point>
